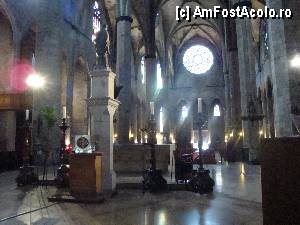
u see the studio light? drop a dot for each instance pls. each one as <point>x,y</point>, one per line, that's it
<point>295,62</point>
<point>35,81</point>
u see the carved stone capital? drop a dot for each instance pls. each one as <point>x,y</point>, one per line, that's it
<point>104,72</point>
<point>105,101</point>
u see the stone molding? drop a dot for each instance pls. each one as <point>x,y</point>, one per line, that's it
<point>102,73</point>
<point>105,101</point>
<point>150,56</point>
<point>124,18</point>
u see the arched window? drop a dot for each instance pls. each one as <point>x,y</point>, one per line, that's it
<point>96,20</point>
<point>161,120</point>
<point>184,112</point>
<point>198,59</point>
<point>217,110</point>
<point>143,69</point>
<point>159,78</point>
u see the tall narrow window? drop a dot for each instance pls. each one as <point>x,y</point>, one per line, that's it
<point>184,112</point>
<point>217,110</point>
<point>159,78</point>
<point>143,69</point>
<point>161,120</point>
<point>96,20</point>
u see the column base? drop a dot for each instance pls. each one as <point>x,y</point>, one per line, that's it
<point>109,181</point>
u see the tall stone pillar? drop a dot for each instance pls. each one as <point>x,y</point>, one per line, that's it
<point>151,85</point>
<point>8,130</point>
<point>150,58</point>
<point>228,120</point>
<point>48,56</point>
<point>280,73</point>
<point>123,67</point>
<point>248,87</point>
<point>139,122</point>
<point>102,107</point>
<point>233,75</point>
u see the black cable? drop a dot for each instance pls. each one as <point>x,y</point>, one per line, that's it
<point>24,213</point>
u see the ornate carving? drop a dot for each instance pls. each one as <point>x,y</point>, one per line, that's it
<point>107,101</point>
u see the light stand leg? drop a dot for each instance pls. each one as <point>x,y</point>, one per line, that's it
<point>201,182</point>
<point>62,178</point>
<point>153,179</point>
<point>26,174</point>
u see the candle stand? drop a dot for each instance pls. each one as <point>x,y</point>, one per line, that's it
<point>153,179</point>
<point>201,181</point>
<point>27,175</point>
<point>62,178</point>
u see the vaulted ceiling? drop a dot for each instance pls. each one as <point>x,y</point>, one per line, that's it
<point>174,33</point>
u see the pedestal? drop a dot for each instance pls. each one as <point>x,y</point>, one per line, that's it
<point>85,173</point>
<point>102,107</point>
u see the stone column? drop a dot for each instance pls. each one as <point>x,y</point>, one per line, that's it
<point>139,122</point>
<point>233,75</point>
<point>150,58</point>
<point>135,121</point>
<point>235,94</point>
<point>123,67</point>
<point>228,120</point>
<point>48,64</point>
<point>280,73</point>
<point>151,85</point>
<point>8,130</point>
<point>102,107</point>
<point>265,112</point>
<point>247,86</point>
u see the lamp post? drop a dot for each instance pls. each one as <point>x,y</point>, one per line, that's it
<point>27,174</point>
<point>201,182</point>
<point>62,173</point>
<point>153,179</point>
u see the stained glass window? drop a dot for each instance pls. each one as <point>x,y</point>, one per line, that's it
<point>159,78</point>
<point>198,59</point>
<point>161,120</point>
<point>184,112</point>
<point>143,69</point>
<point>217,111</point>
<point>96,20</point>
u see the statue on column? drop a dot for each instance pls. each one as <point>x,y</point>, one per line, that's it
<point>103,48</point>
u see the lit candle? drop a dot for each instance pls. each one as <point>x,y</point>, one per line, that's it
<point>64,112</point>
<point>152,108</point>
<point>27,114</point>
<point>33,61</point>
<point>199,105</point>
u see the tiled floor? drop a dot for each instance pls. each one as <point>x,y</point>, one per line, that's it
<point>236,201</point>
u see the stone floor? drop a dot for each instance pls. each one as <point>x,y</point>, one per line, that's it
<point>236,201</point>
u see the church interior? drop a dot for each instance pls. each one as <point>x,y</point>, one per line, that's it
<point>114,112</point>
